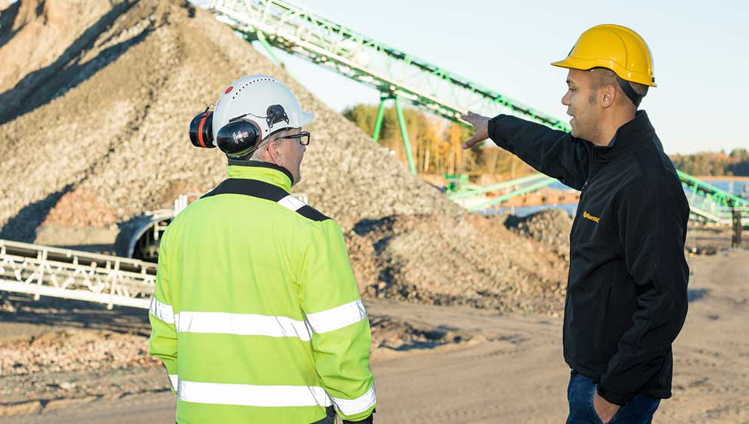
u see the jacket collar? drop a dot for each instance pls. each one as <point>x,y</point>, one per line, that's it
<point>261,171</point>
<point>628,136</point>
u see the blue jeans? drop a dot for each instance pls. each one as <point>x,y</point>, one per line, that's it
<point>580,393</point>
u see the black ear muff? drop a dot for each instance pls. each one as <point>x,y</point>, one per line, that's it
<point>201,130</point>
<point>238,138</point>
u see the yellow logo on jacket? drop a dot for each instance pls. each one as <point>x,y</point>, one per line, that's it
<point>595,219</point>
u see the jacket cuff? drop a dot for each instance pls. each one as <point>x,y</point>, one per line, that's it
<point>494,134</point>
<point>368,420</point>
<point>612,397</point>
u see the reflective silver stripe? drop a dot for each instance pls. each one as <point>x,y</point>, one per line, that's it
<point>358,405</point>
<point>251,395</point>
<point>338,317</point>
<point>291,202</point>
<point>174,381</point>
<point>161,311</point>
<point>241,324</point>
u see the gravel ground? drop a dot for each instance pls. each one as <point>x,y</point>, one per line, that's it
<point>54,352</point>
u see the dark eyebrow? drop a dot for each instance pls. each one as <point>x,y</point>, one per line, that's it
<point>570,82</point>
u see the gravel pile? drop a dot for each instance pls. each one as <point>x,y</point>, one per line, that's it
<point>110,116</point>
<point>467,260</point>
<point>98,136</point>
<point>551,227</point>
<point>79,209</point>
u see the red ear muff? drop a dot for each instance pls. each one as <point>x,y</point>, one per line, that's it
<point>201,130</point>
<point>238,138</point>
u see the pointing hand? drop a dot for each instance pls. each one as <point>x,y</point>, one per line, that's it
<point>481,124</point>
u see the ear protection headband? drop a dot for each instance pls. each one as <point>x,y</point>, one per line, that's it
<point>239,137</point>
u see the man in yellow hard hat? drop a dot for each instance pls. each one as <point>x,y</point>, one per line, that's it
<point>627,289</point>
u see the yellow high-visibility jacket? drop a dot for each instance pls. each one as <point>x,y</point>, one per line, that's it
<point>256,313</point>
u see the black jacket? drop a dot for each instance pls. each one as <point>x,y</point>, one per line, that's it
<point>627,288</point>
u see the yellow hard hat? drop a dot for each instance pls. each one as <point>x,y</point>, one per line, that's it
<point>612,47</point>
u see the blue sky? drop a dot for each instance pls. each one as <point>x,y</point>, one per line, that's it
<point>700,50</point>
<point>701,55</point>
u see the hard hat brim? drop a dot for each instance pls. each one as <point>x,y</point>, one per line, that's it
<point>305,118</point>
<point>586,65</point>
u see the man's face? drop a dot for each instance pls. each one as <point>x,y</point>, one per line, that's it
<point>291,152</point>
<point>582,104</point>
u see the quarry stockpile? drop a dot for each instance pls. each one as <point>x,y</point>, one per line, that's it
<point>93,133</point>
<point>109,116</point>
<point>551,227</point>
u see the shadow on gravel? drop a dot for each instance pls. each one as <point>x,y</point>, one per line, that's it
<point>44,85</point>
<point>22,227</point>
<point>7,19</point>
<point>366,226</point>
<point>74,314</point>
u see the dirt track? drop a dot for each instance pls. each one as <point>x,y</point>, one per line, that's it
<point>518,375</point>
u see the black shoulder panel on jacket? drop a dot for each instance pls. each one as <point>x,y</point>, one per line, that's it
<point>311,213</point>
<point>262,190</point>
<point>246,187</point>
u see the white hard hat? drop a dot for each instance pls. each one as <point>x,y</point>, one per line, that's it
<point>262,99</point>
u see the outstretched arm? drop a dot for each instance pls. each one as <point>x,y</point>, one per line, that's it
<point>551,152</point>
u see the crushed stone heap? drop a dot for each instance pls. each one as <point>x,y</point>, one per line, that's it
<point>93,133</point>
<point>106,112</point>
<point>551,227</point>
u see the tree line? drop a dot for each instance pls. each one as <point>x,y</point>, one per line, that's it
<point>436,143</point>
<point>735,163</point>
<point>436,148</point>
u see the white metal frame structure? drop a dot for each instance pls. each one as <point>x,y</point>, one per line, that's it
<point>70,274</point>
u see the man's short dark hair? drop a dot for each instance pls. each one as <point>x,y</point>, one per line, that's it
<point>602,77</point>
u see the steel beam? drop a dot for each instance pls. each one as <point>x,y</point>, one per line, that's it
<point>380,117</point>
<point>498,186</point>
<point>404,134</point>
<point>504,197</point>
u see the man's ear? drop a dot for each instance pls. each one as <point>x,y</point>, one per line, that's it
<point>273,150</point>
<point>607,95</point>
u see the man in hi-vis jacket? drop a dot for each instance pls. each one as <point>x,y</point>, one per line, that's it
<point>256,313</point>
<point>627,289</point>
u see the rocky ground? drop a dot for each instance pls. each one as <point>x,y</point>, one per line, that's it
<point>708,239</point>
<point>439,364</point>
<point>58,353</point>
